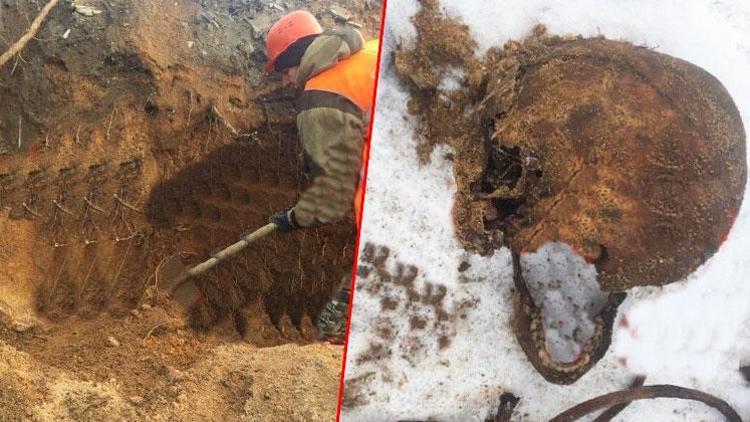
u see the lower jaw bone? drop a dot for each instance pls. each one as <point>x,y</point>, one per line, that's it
<point>562,319</point>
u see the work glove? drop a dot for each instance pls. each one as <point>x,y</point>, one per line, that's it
<point>284,221</point>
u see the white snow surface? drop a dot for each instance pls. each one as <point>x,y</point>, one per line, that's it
<point>694,333</point>
<point>564,286</point>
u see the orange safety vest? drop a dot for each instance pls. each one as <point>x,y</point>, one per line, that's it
<point>353,78</point>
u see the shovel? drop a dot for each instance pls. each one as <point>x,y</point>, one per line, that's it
<point>178,280</point>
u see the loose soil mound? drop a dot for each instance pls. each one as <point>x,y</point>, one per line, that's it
<point>160,370</point>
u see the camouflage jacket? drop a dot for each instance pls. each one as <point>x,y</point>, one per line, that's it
<point>330,129</point>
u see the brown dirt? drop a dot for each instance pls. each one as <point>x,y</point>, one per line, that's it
<point>162,373</point>
<point>164,105</point>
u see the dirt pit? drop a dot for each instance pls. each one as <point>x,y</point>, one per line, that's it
<point>149,366</point>
<point>634,159</point>
<point>125,139</point>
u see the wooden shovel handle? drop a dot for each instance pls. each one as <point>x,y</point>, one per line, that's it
<point>232,249</point>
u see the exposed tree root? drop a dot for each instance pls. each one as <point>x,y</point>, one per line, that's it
<point>650,392</point>
<point>508,402</point>
<point>613,411</point>
<point>21,43</point>
<point>745,371</point>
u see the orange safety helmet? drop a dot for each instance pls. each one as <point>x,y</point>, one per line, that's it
<point>286,31</point>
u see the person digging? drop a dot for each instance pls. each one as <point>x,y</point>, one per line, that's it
<point>335,71</point>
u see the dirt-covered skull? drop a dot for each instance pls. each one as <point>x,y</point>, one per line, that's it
<point>633,159</point>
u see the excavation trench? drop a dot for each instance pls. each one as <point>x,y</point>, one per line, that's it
<point>100,233</point>
<point>235,189</point>
<point>125,139</point>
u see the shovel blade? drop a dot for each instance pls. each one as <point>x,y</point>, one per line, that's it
<point>171,273</point>
<point>175,281</point>
<point>186,293</point>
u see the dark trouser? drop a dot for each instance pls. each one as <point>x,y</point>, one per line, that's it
<point>344,291</point>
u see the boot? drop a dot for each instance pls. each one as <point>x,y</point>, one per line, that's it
<point>333,319</point>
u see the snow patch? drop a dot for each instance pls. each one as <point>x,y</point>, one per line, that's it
<point>564,287</point>
<point>452,80</point>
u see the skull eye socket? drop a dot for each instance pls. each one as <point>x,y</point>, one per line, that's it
<point>507,208</point>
